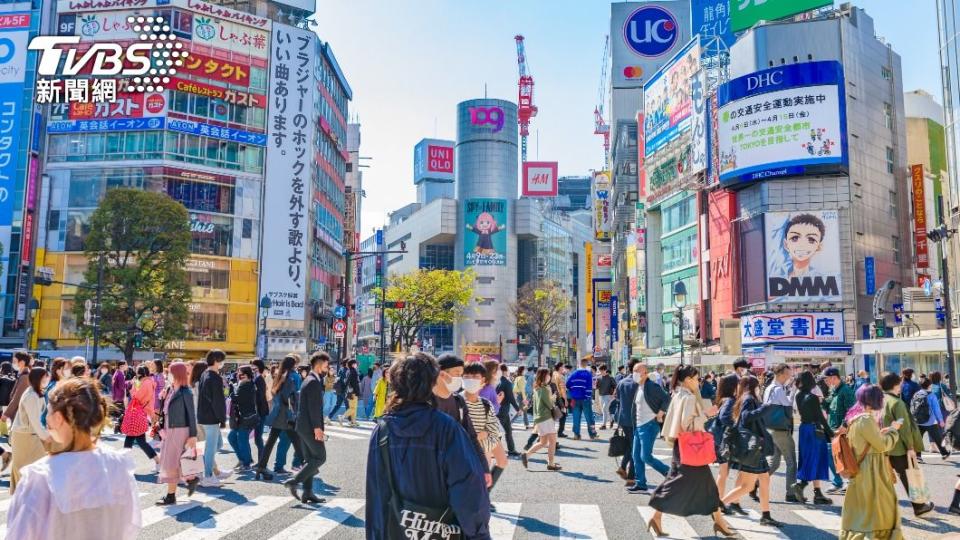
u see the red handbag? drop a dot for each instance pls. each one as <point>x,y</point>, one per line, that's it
<point>135,422</point>
<point>696,448</point>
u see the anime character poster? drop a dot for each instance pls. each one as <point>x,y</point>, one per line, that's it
<point>803,256</point>
<point>485,239</point>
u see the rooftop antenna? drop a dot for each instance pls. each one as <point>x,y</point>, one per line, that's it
<point>484,90</point>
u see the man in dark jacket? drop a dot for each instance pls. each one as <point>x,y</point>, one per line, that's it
<point>309,427</point>
<point>211,416</point>
<point>505,387</point>
<point>650,404</point>
<point>340,388</point>
<point>430,462</point>
<point>625,393</point>
<point>263,406</point>
<point>908,387</point>
<point>838,401</point>
<point>447,399</point>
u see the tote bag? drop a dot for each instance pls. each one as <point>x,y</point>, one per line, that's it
<point>919,492</point>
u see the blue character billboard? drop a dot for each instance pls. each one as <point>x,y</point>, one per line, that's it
<point>485,239</point>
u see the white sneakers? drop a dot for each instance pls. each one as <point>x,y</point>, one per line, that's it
<point>210,482</point>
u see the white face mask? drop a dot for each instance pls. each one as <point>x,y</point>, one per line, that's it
<point>636,377</point>
<point>455,384</point>
<point>472,386</point>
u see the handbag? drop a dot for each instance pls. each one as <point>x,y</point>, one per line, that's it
<point>135,421</point>
<point>411,520</point>
<point>696,448</point>
<point>556,413</point>
<point>618,444</point>
<point>191,463</point>
<point>919,492</point>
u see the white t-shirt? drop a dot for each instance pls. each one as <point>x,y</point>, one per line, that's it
<point>644,412</point>
<point>78,495</point>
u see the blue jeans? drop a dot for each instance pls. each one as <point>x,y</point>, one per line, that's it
<point>583,407</point>
<point>643,438</point>
<point>213,445</point>
<point>329,400</point>
<point>283,446</point>
<point>240,442</point>
<point>837,479</point>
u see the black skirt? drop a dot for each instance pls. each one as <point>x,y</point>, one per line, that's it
<point>687,491</point>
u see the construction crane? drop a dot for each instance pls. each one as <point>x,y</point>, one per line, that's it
<point>526,110</point>
<point>600,125</point>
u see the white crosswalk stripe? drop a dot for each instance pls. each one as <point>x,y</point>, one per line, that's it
<point>322,521</point>
<point>155,514</point>
<point>503,522</point>
<point>750,528</point>
<point>581,521</point>
<point>223,524</point>
<point>674,527</point>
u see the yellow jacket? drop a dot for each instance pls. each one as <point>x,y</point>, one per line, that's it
<point>380,397</point>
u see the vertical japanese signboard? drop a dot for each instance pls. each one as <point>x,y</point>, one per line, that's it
<point>602,207</point>
<point>919,217</point>
<point>588,282</point>
<point>14,34</point>
<point>291,130</point>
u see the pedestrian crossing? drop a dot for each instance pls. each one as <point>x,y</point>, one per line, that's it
<point>509,521</point>
<point>333,430</point>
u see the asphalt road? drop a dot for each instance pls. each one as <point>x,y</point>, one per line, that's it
<point>584,500</point>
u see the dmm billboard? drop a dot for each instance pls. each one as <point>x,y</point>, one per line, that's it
<point>803,256</point>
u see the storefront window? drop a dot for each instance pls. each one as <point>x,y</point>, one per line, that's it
<point>209,279</point>
<point>207,322</point>
<point>78,226</point>
<point>212,235</point>
<point>202,196</point>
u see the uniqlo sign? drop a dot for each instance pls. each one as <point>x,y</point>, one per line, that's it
<point>439,159</point>
<point>433,160</point>
<point>540,179</point>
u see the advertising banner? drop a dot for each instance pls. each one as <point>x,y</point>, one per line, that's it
<point>540,179</point>
<point>604,261</point>
<point>602,206</point>
<point>201,65</point>
<point>614,319</point>
<point>196,6</point>
<point>746,13</point>
<point>699,134</point>
<point>485,242</point>
<point>711,20</point>
<point>643,36</point>
<point>667,105</point>
<point>230,36</point>
<point>217,132</point>
<point>122,124</point>
<point>803,256</point>
<point>433,159</point>
<point>127,105</point>
<point>287,191</point>
<point>764,328</point>
<point>870,275</point>
<point>588,282</point>
<point>641,155</point>
<point>919,217</point>
<point>481,352</point>
<point>784,121</point>
<point>601,329</point>
<point>236,97</point>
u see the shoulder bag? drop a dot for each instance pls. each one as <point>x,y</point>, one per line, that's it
<point>696,447</point>
<point>406,519</point>
<point>618,444</point>
<point>135,421</point>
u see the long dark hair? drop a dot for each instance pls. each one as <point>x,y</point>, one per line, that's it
<point>726,387</point>
<point>747,387</point>
<point>412,380</point>
<point>35,378</point>
<point>542,378</point>
<point>806,381</point>
<point>287,366</point>
<point>196,370</point>
<point>680,374</point>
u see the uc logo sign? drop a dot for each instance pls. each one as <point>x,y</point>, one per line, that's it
<point>651,31</point>
<point>7,50</point>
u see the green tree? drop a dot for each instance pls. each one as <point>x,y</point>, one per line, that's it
<point>539,311</point>
<point>144,239</point>
<point>431,296</point>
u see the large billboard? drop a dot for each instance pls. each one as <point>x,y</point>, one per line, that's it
<point>667,106</point>
<point>813,328</point>
<point>485,241</point>
<point>711,21</point>
<point>287,197</point>
<point>433,159</point>
<point>744,14</point>
<point>644,35</point>
<point>540,179</point>
<point>783,121</point>
<point>919,217</point>
<point>602,205</point>
<point>803,256</point>
<point>14,34</point>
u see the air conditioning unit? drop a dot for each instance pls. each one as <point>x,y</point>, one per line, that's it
<point>914,299</point>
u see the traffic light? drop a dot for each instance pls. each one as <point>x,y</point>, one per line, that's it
<point>398,304</point>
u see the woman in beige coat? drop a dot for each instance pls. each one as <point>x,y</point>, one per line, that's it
<point>28,436</point>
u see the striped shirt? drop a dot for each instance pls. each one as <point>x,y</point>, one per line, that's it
<point>483,419</point>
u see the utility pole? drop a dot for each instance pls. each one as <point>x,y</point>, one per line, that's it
<point>941,235</point>
<point>96,320</point>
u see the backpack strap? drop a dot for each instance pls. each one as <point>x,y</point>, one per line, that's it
<point>383,442</point>
<point>461,407</point>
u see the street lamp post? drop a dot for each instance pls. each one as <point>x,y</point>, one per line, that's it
<point>265,305</point>
<point>941,235</point>
<point>679,302</point>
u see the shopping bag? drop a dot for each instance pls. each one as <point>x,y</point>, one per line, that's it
<point>697,448</point>
<point>191,463</point>
<point>919,493</point>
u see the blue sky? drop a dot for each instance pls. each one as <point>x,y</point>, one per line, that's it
<point>410,62</point>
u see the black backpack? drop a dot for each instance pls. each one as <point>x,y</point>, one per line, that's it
<point>919,407</point>
<point>6,390</point>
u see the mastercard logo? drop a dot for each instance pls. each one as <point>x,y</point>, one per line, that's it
<point>633,72</point>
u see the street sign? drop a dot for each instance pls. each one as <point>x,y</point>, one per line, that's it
<point>339,328</point>
<point>88,312</point>
<point>340,311</point>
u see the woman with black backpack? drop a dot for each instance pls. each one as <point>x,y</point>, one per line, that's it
<point>243,417</point>
<point>754,446</point>
<point>283,413</point>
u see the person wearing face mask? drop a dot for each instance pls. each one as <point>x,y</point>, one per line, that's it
<point>626,419</point>
<point>28,437</point>
<point>838,401</point>
<point>484,419</point>
<point>741,367</point>
<point>650,404</point>
<point>446,399</point>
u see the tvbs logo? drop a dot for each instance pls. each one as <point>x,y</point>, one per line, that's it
<point>487,116</point>
<point>651,31</point>
<point>147,62</point>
